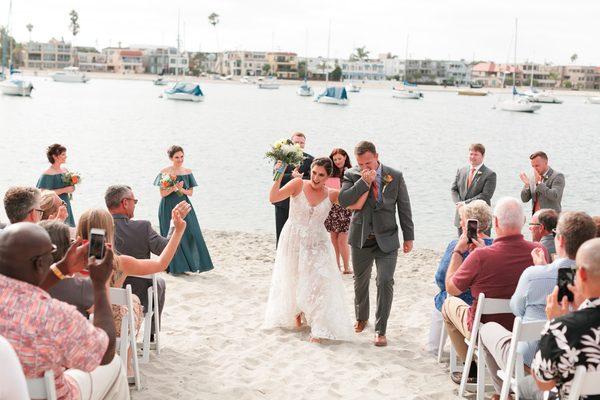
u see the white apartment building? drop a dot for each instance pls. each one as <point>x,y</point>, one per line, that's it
<point>362,70</point>
<point>54,54</point>
<point>241,63</point>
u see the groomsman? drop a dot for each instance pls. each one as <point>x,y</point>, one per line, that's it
<point>282,208</point>
<point>473,182</point>
<point>545,187</point>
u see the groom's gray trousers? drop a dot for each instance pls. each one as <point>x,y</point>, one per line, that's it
<point>362,262</point>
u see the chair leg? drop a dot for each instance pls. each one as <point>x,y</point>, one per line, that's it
<point>156,316</point>
<point>466,368</point>
<point>134,358</point>
<point>443,337</point>
<point>480,371</point>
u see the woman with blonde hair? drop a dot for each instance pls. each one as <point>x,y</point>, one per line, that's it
<point>53,207</point>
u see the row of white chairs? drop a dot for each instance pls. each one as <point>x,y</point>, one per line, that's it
<point>44,387</point>
<point>584,383</point>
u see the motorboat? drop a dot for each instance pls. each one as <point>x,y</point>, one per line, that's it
<point>352,88</point>
<point>186,91</point>
<point>472,92</point>
<point>70,75</point>
<point>519,104</point>
<point>333,95</point>
<point>542,97</point>
<point>408,94</point>
<point>15,85</point>
<point>160,81</point>
<point>305,89</point>
<point>593,99</point>
<point>270,83</point>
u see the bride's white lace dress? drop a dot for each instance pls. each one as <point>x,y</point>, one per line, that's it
<point>305,276</point>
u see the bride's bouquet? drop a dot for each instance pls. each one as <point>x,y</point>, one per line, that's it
<point>168,181</point>
<point>71,179</point>
<point>287,152</point>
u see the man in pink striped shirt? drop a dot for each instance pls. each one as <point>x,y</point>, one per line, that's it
<point>48,334</point>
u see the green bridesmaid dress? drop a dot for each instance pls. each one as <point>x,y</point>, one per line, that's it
<point>192,254</point>
<point>52,182</point>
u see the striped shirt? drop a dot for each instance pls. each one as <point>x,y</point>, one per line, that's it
<point>529,299</point>
<point>48,334</point>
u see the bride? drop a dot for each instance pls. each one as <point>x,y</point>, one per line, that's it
<point>306,284</point>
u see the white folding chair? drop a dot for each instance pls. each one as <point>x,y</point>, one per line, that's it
<point>485,306</point>
<point>13,373</point>
<point>123,297</point>
<point>585,383</point>
<point>443,337</point>
<point>515,367</point>
<point>42,388</point>
<point>151,313</point>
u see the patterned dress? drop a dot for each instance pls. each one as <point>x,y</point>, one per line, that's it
<point>339,217</point>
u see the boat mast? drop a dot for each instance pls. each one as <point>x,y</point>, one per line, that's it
<point>406,59</point>
<point>327,60</point>
<point>178,45</point>
<point>515,64</point>
<point>5,38</point>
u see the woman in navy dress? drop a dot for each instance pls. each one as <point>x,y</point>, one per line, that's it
<point>192,254</point>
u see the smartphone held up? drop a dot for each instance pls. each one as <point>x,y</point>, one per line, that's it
<point>564,278</point>
<point>97,240</point>
<point>472,228</point>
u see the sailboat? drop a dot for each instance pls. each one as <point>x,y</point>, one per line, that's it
<point>404,92</point>
<point>518,103</point>
<point>15,85</point>
<point>593,99</point>
<point>305,89</point>
<point>352,87</point>
<point>540,97</point>
<point>332,95</point>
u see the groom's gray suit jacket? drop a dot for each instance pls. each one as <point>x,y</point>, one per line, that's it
<point>482,187</point>
<point>549,192</point>
<point>378,218</point>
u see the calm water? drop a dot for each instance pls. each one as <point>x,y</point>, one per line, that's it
<point>118,132</point>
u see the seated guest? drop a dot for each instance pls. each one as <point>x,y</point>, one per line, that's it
<point>48,334</point>
<point>570,338</point>
<point>22,204</point>
<point>542,226</point>
<point>529,299</point>
<point>493,270</point>
<point>597,222</point>
<point>53,207</point>
<point>481,212</point>
<point>137,239</point>
<point>76,290</point>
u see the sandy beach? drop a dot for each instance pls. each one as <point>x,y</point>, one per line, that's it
<point>213,346</point>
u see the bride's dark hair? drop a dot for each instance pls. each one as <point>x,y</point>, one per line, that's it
<point>324,162</point>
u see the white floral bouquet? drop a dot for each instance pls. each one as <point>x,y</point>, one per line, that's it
<point>287,152</point>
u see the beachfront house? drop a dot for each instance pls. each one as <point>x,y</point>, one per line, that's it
<point>55,54</point>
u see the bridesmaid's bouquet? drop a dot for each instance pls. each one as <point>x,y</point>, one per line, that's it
<point>287,152</point>
<point>71,179</point>
<point>168,181</point>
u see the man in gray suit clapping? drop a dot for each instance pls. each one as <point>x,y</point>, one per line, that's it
<point>473,182</point>
<point>544,187</point>
<point>374,233</point>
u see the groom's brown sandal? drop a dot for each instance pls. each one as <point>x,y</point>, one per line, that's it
<point>380,340</point>
<point>359,326</point>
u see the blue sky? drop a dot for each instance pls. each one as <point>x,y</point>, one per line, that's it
<point>549,30</point>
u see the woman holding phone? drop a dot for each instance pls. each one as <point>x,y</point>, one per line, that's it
<point>177,183</point>
<point>338,220</point>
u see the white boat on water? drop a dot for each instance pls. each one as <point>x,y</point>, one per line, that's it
<point>245,79</point>
<point>542,97</point>
<point>333,95</point>
<point>305,89</point>
<point>519,104</point>
<point>352,88</point>
<point>593,99</point>
<point>403,93</point>
<point>186,91</point>
<point>70,75</point>
<point>160,81</point>
<point>270,83</point>
<point>15,85</point>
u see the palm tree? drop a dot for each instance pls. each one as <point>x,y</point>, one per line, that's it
<point>74,27</point>
<point>360,53</point>
<point>29,28</point>
<point>266,68</point>
<point>213,19</point>
<point>574,57</point>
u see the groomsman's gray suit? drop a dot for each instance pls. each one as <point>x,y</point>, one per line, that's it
<point>137,238</point>
<point>549,192</point>
<point>482,187</point>
<point>374,237</point>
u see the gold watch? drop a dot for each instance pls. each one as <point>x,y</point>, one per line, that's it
<point>57,272</point>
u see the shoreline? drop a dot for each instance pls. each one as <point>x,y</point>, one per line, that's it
<point>46,73</point>
<point>213,345</point>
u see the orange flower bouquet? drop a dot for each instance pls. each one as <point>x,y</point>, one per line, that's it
<point>167,181</point>
<point>71,179</point>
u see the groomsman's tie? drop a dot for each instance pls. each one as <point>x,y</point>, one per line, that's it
<point>470,180</point>
<point>375,190</point>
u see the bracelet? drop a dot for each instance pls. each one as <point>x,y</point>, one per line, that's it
<point>458,252</point>
<point>57,272</point>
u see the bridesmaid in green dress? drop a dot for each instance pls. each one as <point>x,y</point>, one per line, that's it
<point>52,178</point>
<point>192,254</point>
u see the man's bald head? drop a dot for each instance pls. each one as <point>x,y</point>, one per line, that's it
<point>588,257</point>
<point>24,251</point>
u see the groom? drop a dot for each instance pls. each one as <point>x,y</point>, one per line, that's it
<point>374,232</point>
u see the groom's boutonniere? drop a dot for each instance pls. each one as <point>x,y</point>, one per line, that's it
<point>386,180</point>
<point>479,172</point>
